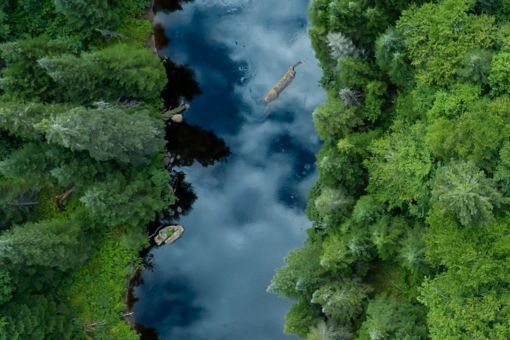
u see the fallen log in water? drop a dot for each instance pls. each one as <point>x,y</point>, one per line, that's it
<point>282,84</point>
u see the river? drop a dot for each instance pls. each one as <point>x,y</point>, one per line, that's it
<point>249,211</point>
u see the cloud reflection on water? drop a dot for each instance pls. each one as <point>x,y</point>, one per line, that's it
<point>244,221</point>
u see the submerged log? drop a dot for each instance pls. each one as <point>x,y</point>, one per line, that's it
<point>282,84</point>
<point>169,234</point>
<point>175,114</point>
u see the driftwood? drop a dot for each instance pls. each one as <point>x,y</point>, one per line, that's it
<point>282,84</point>
<point>175,114</point>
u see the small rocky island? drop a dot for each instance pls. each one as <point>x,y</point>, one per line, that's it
<point>169,234</point>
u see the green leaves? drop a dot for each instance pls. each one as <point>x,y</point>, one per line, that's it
<point>500,72</point>
<point>120,73</point>
<point>126,200</point>
<point>342,300</point>
<point>414,174</point>
<point>107,134</point>
<point>99,14</point>
<point>399,170</point>
<point>438,37</point>
<point>390,318</point>
<point>462,190</point>
<point>50,243</point>
<point>470,298</point>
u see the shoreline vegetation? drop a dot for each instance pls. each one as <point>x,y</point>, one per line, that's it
<point>411,235</point>
<point>82,170</point>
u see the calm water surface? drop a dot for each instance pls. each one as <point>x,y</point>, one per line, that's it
<point>212,283</point>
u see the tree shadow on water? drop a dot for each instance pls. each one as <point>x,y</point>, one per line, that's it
<point>169,5</point>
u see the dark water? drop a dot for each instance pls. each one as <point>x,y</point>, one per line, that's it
<point>249,210</point>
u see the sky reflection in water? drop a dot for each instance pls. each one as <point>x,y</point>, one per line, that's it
<point>249,213</point>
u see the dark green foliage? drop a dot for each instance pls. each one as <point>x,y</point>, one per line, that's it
<point>39,317</point>
<point>126,200</point>
<point>19,119</point>
<point>119,73</point>
<point>476,67</point>
<point>89,15</point>
<point>107,134</point>
<point>24,78</point>
<point>81,169</point>
<point>391,57</point>
<point>52,243</point>
<point>6,287</point>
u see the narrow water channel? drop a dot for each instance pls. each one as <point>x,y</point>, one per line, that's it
<point>249,210</point>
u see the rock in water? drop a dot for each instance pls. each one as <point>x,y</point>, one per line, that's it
<point>178,118</point>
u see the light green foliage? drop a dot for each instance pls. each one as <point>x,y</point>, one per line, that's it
<point>344,246</point>
<point>120,73</point>
<point>477,135</point>
<point>411,203</point>
<point>452,104</point>
<point>107,134</point>
<point>136,31</point>
<point>301,318</point>
<point>438,37</point>
<point>333,118</point>
<point>500,72</point>
<point>301,274</point>
<point>469,299</point>
<point>399,170</point>
<point>462,190</point>
<point>332,201</point>
<point>374,100</point>
<point>389,318</point>
<point>95,291</point>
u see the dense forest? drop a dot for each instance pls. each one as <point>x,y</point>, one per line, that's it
<point>411,233</point>
<point>81,163</point>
